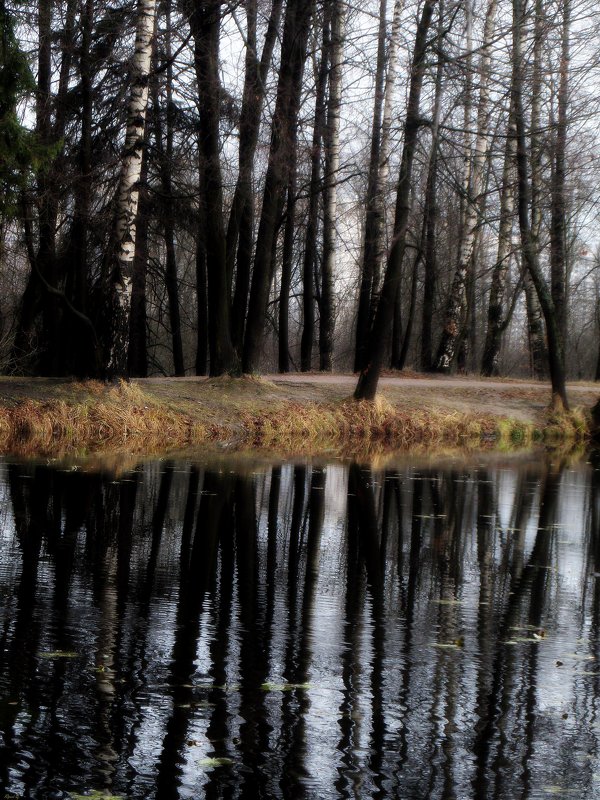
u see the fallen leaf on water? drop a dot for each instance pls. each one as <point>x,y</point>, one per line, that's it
<point>58,654</point>
<point>211,763</point>
<point>449,602</point>
<point>95,794</point>
<point>284,687</point>
<point>525,639</point>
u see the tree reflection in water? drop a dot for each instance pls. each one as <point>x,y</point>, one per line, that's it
<point>302,631</point>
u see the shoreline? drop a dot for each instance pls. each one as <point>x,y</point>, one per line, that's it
<point>308,415</point>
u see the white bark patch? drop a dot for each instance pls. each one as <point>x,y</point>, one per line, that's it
<point>128,191</point>
<point>127,197</point>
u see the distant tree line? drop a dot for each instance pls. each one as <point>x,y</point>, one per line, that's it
<point>221,187</point>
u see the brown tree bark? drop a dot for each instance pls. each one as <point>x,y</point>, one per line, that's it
<point>369,376</point>
<point>241,217</point>
<point>373,247</point>
<point>312,226</point>
<point>205,24</point>
<point>283,142</point>
<point>283,339</point>
<point>555,342</point>
<point>164,151</point>
<point>558,221</point>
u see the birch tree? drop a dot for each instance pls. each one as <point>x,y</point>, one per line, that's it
<point>536,334</point>
<point>496,323</point>
<point>122,249</point>
<point>332,164</point>
<point>474,174</point>
<point>309,259</point>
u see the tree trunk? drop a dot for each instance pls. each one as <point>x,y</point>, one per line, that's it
<point>473,181</point>
<point>332,165</point>
<point>431,216</point>
<point>558,222</point>
<point>495,315</point>
<point>83,353</point>
<point>165,164</point>
<point>122,248</point>
<point>369,376</point>
<point>137,356</point>
<point>286,279</point>
<point>312,225</point>
<point>201,289</point>
<point>283,142</point>
<point>373,248</point>
<point>536,335</point>
<point>205,24</point>
<point>530,255</point>
<point>241,217</point>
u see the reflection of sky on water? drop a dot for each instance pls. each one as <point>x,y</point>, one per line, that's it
<point>425,631</point>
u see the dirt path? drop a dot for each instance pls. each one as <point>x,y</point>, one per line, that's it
<point>427,381</point>
<point>523,400</point>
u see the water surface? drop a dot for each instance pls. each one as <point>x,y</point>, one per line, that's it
<point>300,631</point>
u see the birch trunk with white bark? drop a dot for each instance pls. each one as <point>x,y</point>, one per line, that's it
<point>332,165</point>
<point>495,317</point>
<point>123,243</point>
<point>474,177</point>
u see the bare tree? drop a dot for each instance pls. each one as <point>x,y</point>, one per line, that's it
<point>474,174</point>
<point>380,331</point>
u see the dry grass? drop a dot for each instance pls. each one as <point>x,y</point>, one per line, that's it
<point>109,418</point>
<point>566,426</point>
<point>253,414</point>
<point>366,428</point>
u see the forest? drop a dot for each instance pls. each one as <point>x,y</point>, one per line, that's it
<point>248,186</point>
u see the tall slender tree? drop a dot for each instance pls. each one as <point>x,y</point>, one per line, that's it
<point>373,245</point>
<point>122,245</point>
<point>332,164</point>
<point>283,142</point>
<point>556,361</point>
<point>205,24</point>
<point>366,388</point>
<point>474,174</point>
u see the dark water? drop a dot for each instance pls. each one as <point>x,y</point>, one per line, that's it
<point>301,632</point>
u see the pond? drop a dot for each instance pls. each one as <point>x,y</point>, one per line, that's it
<point>326,630</point>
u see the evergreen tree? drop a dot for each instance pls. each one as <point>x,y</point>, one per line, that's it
<point>19,151</point>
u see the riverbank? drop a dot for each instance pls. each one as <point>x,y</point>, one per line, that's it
<point>293,415</point>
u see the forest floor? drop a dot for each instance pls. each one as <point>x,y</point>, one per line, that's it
<point>294,414</point>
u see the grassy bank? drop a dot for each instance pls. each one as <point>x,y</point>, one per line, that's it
<point>45,417</point>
